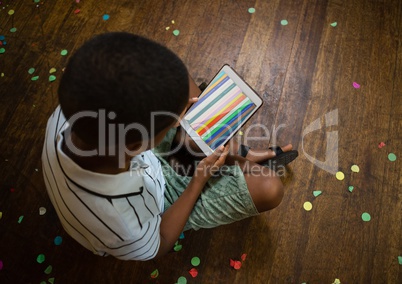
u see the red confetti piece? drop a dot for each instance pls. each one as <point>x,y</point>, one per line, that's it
<point>243,256</point>
<point>235,264</point>
<point>381,144</point>
<point>77,11</point>
<point>12,189</point>
<point>193,272</point>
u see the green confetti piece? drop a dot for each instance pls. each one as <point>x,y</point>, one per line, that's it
<point>64,52</point>
<point>366,217</point>
<point>317,192</point>
<point>182,280</point>
<point>195,261</point>
<point>43,282</point>
<point>13,30</point>
<point>52,78</point>
<point>251,10</point>
<point>177,247</point>
<point>40,258</point>
<point>350,188</point>
<point>1,214</point>
<point>155,273</point>
<point>35,78</point>
<point>284,22</point>
<point>51,280</point>
<point>48,269</point>
<point>11,12</point>
<point>400,260</point>
<point>36,1</point>
<point>58,240</point>
<point>355,168</point>
<point>334,24</point>
<point>20,219</point>
<point>392,157</point>
<point>31,70</point>
<point>2,50</point>
<point>176,32</point>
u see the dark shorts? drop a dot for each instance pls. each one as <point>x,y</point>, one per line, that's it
<point>224,199</point>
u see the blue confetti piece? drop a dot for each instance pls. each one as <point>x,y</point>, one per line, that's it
<point>106,17</point>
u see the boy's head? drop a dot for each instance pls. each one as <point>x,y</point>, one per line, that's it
<point>126,77</point>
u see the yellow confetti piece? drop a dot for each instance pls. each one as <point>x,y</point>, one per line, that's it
<point>1,214</point>
<point>355,168</point>
<point>167,28</point>
<point>241,133</point>
<point>307,206</point>
<point>52,70</point>
<point>11,12</point>
<point>337,281</point>
<point>173,22</point>
<point>340,175</point>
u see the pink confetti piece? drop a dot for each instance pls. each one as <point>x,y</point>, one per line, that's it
<point>381,144</point>
<point>243,256</point>
<point>76,11</point>
<point>356,85</point>
<point>193,272</point>
<point>235,264</point>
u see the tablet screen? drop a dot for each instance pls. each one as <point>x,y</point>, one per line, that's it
<point>220,111</point>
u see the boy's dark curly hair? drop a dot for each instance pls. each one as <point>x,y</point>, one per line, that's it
<point>126,74</point>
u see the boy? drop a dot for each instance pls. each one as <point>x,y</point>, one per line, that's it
<point>111,192</point>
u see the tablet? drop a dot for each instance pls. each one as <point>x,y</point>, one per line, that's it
<point>221,110</point>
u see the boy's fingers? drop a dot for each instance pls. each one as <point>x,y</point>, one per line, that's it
<point>193,100</point>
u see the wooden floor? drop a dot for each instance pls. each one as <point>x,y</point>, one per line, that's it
<point>304,71</point>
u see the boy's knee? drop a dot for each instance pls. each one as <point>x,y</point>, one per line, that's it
<point>273,193</point>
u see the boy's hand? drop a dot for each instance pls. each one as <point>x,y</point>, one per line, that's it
<point>211,164</point>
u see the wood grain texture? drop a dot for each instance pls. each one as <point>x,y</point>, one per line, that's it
<point>303,71</point>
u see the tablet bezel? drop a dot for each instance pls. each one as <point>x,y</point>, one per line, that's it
<point>246,90</point>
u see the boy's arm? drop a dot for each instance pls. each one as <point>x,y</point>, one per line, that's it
<point>174,219</point>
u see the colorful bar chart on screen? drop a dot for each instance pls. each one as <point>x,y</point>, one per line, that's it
<point>221,110</point>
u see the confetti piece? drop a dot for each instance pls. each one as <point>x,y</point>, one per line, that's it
<point>1,214</point>
<point>392,157</point>
<point>340,175</point>
<point>182,280</point>
<point>11,12</point>
<point>64,52</point>
<point>400,260</point>
<point>40,258</point>
<point>381,144</point>
<point>181,236</point>
<point>20,219</point>
<point>42,211</point>
<point>317,192</point>
<point>12,189</point>
<point>52,70</point>
<point>155,274</point>
<point>350,188</point>
<point>334,24</point>
<point>76,11</point>
<point>251,10</point>
<point>193,272</point>
<point>51,280</point>
<point>284,22</point>
<point>243,257</point>
<point>173,22</point>
<point>31,70</point>
<point>195,261</point>
<point>2,37</point>
<point>52,78</point>
<point>58,240</point>
<point>366,217</point>
<point>177,247</point>
<point>2,74</point>
<point>307,206</point>
<point>2,50</point>
<point>13,30</point>
<point>235,264</point>
<point>48,269</point>
<point>35,78</point>
<point>355,168</point>
<point>176,32</point>
<point>106,17</point>
<point>337,281</point>
<point>356,85</point>
<point>167,28</point>
<point>43,282</point>
<point>1,265</point>
<point>241,133</point>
